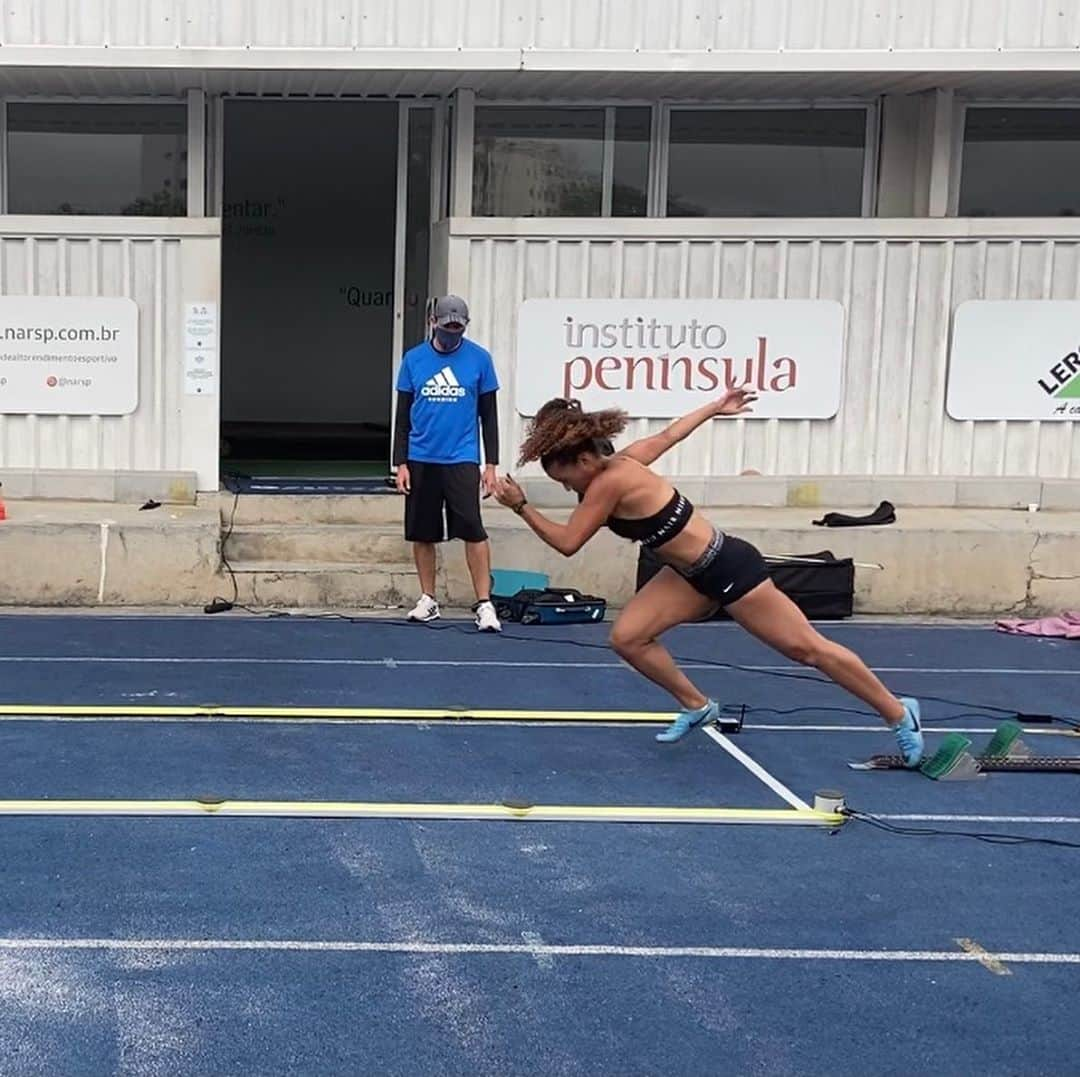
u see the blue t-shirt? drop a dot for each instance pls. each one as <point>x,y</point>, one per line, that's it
<point>446,388</point>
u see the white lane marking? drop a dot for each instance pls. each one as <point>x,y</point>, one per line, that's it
<point>533,950</point>
<point>768,727</point>
<point>756,769</point>
<point>1029,820</point>
<point>233,719</point>
<point>374,616</point>
<point>394,663</point>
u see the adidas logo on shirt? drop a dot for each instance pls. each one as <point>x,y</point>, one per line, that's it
<point>443,386</point>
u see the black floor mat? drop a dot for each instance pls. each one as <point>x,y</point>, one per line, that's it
<point>266,484</point>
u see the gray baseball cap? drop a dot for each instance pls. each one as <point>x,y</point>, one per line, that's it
<point>450,309</point>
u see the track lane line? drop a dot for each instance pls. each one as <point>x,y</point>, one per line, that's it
<point>757,770</point>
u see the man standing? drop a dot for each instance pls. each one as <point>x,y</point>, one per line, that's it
<point>446,395</point>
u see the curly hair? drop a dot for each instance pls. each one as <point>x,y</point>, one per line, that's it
<point>561,432</point>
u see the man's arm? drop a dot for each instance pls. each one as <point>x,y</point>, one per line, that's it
<point>596,506</point>
<point>489,426</point>
<point>402,428</point>
<point>487,390</point>
<point>652,448</point>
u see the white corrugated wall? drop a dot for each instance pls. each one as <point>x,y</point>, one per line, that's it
<point>159,264</point>
<point>646,25</point>
<point>899,292</point>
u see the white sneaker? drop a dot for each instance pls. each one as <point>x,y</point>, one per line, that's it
<point>487,620</point>
<point>427,609</point>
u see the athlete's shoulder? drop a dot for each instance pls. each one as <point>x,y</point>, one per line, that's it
<point>621,464</point>
<point>620,472</point>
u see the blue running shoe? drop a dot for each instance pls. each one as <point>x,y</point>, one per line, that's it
<point>688,720</point>
<point>909,734</point>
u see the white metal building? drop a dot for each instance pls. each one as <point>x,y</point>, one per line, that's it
<point>301,176</point>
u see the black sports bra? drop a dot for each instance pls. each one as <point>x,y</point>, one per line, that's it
<point>659,528</point>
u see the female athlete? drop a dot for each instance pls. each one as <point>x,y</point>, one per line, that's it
<point>704,567</point>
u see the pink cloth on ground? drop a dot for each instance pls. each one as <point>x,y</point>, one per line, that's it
<point>1065,625</point>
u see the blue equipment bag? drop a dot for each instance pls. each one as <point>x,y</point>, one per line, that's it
<point>550,606</point>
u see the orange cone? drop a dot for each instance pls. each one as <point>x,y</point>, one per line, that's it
<point>3,511</point>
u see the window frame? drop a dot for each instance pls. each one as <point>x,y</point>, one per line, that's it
<point>660,140</point>
<point>195,141</point>
<point>607,142</point>
<point>958,141</point>
<point>871,143</point>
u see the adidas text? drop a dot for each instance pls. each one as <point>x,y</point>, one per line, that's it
<point>444,386</point>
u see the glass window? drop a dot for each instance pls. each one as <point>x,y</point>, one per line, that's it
<point>418,225</point>
<point>538,162</point>
<point>1020,162</point>
<point>630,181</point>
<point>796,162</point>
<point>97,159</point>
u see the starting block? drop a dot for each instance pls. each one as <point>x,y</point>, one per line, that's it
<point>954,762</point>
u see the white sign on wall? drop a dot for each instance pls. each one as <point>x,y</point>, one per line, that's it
<point>66,355</point>
<point>659,358</point>
<point>1015,359</point>
<point>200,349</point>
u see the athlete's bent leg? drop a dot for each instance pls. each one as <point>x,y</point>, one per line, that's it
<point>665,601</point>
<point>767,613</point>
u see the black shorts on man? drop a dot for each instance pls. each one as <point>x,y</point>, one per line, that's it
<point>444,502</point>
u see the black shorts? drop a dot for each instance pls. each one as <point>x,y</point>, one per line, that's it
<point>444,501</point>
<point>729,570</point>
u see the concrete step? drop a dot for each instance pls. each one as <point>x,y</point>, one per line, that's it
<point>984,562</point>
<point>955,562</point>
<point>388,508</point>
<point>323,584</point>
<point>328,543</point>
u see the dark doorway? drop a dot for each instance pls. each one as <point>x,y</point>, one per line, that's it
<point>308,221</point>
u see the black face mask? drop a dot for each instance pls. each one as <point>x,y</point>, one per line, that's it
<point>448,339</point>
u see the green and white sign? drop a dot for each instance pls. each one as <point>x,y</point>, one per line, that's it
<point>1015,359</point>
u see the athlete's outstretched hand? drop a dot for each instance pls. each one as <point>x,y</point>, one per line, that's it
<point>735,402</point>
<point>508,493</point>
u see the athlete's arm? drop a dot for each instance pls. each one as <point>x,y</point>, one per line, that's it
<point>645,451</point>
<point>596,506</point>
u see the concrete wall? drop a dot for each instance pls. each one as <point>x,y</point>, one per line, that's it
<point>161,264</point>
<point>635,26</point>
<point>898,280</point>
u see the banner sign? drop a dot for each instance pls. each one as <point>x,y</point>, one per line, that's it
<point>62,355</point>
<point>659,358</point>
<point>1015,359</point>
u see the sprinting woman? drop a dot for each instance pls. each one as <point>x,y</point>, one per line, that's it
<point>704,567</point>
